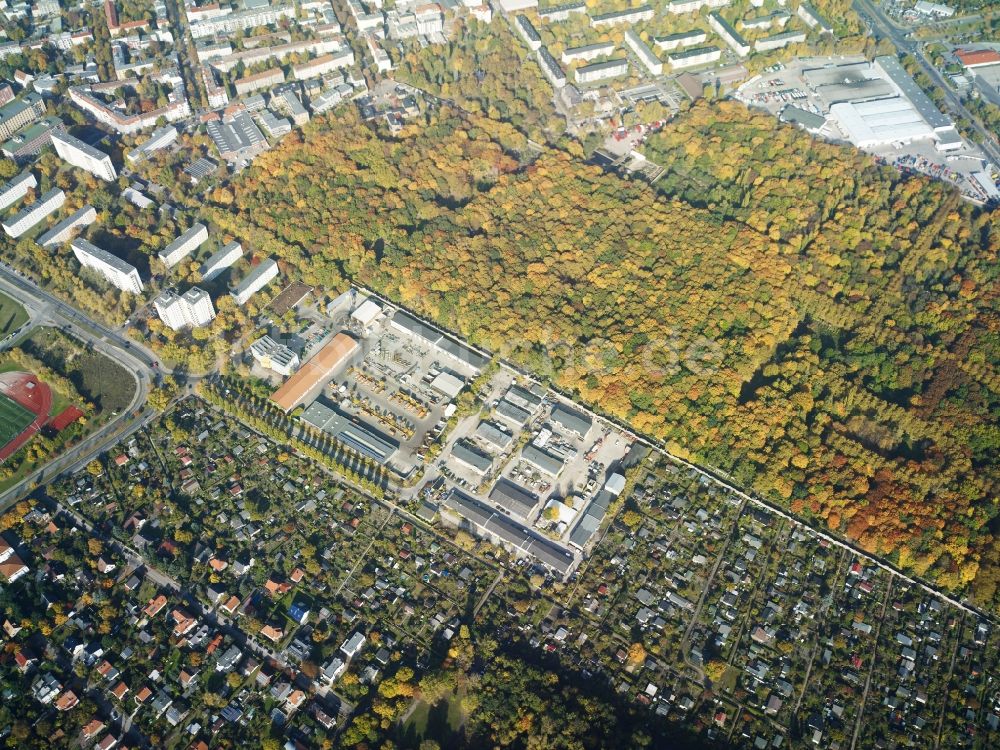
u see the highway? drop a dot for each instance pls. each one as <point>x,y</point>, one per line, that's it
<point>884,26</point>
<point>46,310</point>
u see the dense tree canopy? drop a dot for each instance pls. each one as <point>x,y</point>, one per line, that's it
<point>822,329</point>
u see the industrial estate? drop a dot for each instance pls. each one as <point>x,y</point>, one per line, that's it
<point>268,482</point>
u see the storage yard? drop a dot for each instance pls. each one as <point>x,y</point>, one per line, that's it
<point>877,107</point>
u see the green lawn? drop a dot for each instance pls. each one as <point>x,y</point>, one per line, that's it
<point>13,419</point>
<point>440,721</point>
<point>12,315</point>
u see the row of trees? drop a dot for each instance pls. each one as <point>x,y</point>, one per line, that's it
<point>790,327</point>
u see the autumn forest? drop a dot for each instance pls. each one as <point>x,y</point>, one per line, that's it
<point>821,329</point>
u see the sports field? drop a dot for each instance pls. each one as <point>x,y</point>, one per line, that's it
<point>13,419</point>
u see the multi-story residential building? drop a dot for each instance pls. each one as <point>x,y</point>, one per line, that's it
<point>562,12</point>
<point>681,39</point>
<point>31,140</point>
<point>119,273</point>
<point>587,52</point>
<point>217,96</point>
<point>257,279</point>
<point>79,154</point>
<point>247,19</point>
<point>159,139</point>
<point>601,71</point>
<point>779,40</point>
<point>183,246</point>
<point>279,52</point>
<point>550,68</point>
<point>29,216</point>
<point>729,35</point>
<point>693,6</point>
<point>192,309</point>
<point>220,261</point>
<point>16,189</point>
<point>6,93</point>
<point>20,112</point>
<point>695,56</point>
<point>527,31</point>
<point>631,15</point>
<point>82,96</point>
<point>258,81</point>
<point>63,231</point>
<point>811,17</point>
<point>343,58</point>
<point>643,52</point>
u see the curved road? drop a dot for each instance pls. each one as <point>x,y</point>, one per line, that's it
<point>47,310</point>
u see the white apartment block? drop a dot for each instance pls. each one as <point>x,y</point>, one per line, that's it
<point>587,52</point>
<point>192,309</point>
<point>271,355</point>
<point>650,61</point>
<point>220,261</point>
<point>344,58</point>
<point>811,17</point>
<point>247,19</point>
<point>601,71</point>
<point>159,139</point>
<point>615,18</point>
<point>16,189</point>
<point>527,31</point>
<point>550,68</point>
<point>554,13</point>
<point>777,41</point>
<point>63,231</point>
<point>119,273</point>
<point>728,34</point>
<point>694,57</point>
<point>29,216</point>
<point>84,156</point>
<point>509,6</point>
<point>184,245</point>
<point>693,6</point>
<point>256,280</point>
<point>681,39</point>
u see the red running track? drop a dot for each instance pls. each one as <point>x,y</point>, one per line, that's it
<point>35,396</point>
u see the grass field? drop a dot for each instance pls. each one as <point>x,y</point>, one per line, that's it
<point>104,383</point>
<point>12,315</point>
<point>13,419</point>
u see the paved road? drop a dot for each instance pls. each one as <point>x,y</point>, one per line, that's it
<point>46,310</point>
<point>884,26</point>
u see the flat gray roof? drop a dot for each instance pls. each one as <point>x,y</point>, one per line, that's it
<point>103,255</point>
<point>913,92</point>
<point>65,224</point>
<point>467,453</point>
<point>514,413</point>
<point>542,459</point>
<point>351,432</point>
<point>479,514</point>
<point>491,433</point>
<point>417,328</point>
<point>571,419</point>
<point>77,143</point>
<point>463,353</point>
<point>513,498</point>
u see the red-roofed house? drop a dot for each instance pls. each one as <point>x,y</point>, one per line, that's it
<point>977,58</point>
<point>66,701</point>
<point>155,605</point>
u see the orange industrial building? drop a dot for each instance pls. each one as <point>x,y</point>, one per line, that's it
<point>307,383</point>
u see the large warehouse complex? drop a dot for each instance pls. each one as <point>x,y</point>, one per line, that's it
<point>879,104</point>
<point>306,384</point>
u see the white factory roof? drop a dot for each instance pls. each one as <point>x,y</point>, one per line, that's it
<point>880,122</point>
<point>366,312</point>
